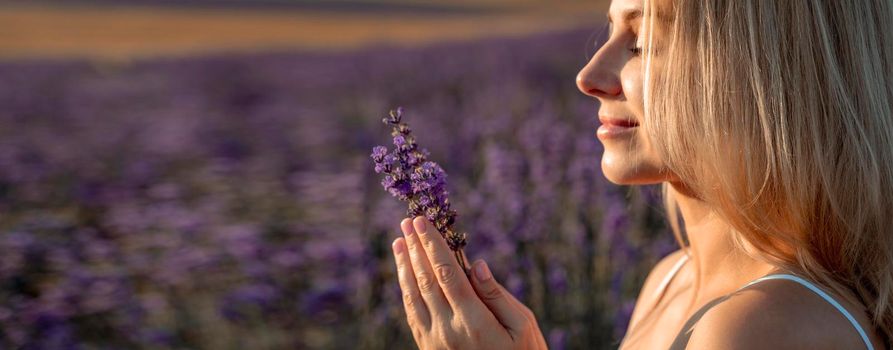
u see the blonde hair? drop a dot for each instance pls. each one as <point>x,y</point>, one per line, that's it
<point>777,114</point>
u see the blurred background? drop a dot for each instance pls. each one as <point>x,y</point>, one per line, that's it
<point>195,174</point>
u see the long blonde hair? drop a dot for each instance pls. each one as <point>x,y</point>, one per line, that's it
<point>777,114</point>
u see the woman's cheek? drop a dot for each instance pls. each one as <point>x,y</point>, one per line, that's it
<point>631,80</point>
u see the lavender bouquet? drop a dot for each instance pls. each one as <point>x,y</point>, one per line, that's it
<point>411,177</point>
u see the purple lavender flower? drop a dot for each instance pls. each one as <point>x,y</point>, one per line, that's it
<point>410,177</point>
<point>378,153</point>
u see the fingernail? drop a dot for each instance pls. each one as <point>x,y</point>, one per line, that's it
<point>398,248</point>
<point>482,271</point>
<point>408,232</point>
<point>420,225</point>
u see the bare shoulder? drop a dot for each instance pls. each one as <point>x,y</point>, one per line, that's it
<point>779,314</point>
<point>657,273</point>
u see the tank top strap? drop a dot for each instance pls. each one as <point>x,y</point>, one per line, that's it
<point>663,284</point>
<point>822,294</point>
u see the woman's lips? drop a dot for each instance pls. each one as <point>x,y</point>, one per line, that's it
<point>618,122</point>
<point>613,128</point>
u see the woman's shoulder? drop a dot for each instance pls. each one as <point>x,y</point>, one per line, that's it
<point>780,313</point>
<point>660,271</point>
<point>652,280</point>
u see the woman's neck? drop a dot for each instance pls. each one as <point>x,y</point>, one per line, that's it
<point>719,266</point>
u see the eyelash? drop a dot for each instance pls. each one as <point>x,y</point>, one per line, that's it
<point>636,51</point>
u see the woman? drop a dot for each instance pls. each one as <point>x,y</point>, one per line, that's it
<point>769,125</point>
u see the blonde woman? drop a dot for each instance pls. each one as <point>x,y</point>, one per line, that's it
<point>769,124</point>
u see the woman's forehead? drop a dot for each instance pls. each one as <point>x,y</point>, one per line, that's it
<point>624,10</point>
<point>632,10</point>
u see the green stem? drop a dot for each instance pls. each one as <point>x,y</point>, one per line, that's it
<point>462,259</point>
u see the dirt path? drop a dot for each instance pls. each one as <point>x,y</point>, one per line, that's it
<point>102,31</point>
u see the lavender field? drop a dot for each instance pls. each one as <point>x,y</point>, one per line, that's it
<point>229,202</point>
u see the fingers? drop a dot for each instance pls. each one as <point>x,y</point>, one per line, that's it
<point>523,308</point>
<point>529,314</point>
<point>498,300</point>
<point>426,282</point>
<point>530,317</point>
<point>452,279</point>
<point>416,311</point>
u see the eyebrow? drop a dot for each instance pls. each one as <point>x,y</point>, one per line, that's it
<point>636,13</point>
<point>627,15</point>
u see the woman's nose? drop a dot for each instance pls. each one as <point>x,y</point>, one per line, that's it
<point>599,78</point>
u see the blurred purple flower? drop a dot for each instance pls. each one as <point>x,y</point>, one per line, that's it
<point>557,339</point>
<point>247,301</point>
<point>326,299</point>
<point>624,313</point>
<point>557,279</point>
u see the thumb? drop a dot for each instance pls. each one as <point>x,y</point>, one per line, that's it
<point>496,299</point>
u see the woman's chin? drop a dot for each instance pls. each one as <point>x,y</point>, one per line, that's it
<point>620,180</point>
<point>623,172</point>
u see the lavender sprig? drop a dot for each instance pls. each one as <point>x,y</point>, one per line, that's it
<point>411,177</point>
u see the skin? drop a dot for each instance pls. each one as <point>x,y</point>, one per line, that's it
<point>446,310</point>
<point>699,309</point>
<point>700,293</point>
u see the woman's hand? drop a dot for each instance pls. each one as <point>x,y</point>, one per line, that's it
<point>445,310</point>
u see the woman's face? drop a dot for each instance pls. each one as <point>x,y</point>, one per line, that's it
<point>614,76</point>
